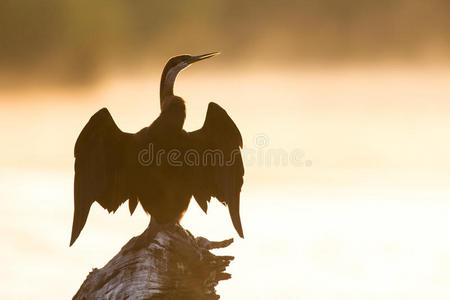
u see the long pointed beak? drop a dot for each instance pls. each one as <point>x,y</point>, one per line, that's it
<point>202,57</point>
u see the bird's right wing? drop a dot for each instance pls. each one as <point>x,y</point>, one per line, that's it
<point>101,169</point>
<point>220,170</point>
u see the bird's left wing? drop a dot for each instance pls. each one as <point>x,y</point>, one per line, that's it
<point>218,171</point>
<point>102,170</point>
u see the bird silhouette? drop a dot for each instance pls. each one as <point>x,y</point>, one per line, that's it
<point>162,166</point>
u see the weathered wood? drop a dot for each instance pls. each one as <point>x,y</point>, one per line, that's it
<point>175,265</point>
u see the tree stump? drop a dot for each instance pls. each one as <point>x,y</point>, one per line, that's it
<point>175,265</point>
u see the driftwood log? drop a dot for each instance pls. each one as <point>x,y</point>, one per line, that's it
<point>175,265</point>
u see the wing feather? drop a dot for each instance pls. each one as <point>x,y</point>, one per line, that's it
<point>221,179</point>
<point>101,169</point>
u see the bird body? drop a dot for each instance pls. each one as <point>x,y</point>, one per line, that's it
<point>162,166</point>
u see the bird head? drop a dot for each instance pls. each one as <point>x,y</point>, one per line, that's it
<point>174,66</point>
<point>181,62</point>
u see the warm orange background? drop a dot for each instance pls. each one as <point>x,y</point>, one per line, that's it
<point>367,219</point>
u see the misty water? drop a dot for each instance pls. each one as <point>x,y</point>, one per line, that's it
<point>363,211</point>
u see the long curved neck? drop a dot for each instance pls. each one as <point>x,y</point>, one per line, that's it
<point>167,82</point>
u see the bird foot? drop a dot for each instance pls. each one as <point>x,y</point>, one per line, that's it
<point>142,241</point>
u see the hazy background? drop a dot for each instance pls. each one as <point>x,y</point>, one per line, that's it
<point>75,40</point>
<point>353,98</point>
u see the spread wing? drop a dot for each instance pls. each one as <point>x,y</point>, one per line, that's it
<point>220,171</point>
<point>101,169</point>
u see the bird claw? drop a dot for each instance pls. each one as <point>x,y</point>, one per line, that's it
<point>134,244</point>
<point>139,242</point>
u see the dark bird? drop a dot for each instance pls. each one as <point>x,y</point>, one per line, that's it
<point>162,166</point>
